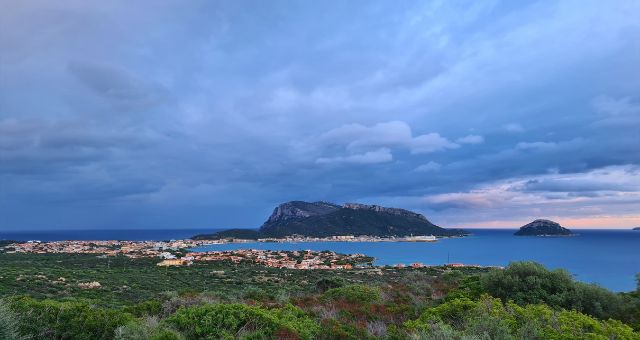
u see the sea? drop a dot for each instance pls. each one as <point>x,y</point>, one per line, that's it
<point>610,258</point>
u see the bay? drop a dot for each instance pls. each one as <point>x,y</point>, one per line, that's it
<point>610,258</point>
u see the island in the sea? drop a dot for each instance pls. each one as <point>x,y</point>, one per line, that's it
<point>324,219</point>
<point>541,227</point>
<point>636,228</point>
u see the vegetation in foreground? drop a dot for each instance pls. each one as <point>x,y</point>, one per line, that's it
<point>43,298</point>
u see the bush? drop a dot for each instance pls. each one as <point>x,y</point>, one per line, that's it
<point>228,321</point>
<point>146,308</point>
<point>333,329</point>
<point>67,320</point>
<point>489,318</point>
<point>436,331</point>
<point>531,283</point>
<point>327,283</point>
<point>148,329</point>
<point>353,294</point>
<point>8,323</point>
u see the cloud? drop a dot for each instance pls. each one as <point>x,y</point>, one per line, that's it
<point>430,142</point>
<point>431,166</point>
<point>39,146</point>
<point>116,85</point>
<point>470,139</point>
<point>467,201</point>
<point>618,113</point>
<point>536,145</point>
<point>382,155</point>
<point>211,118</point>
<point>616,106</point>
<point>514,128</point>
<point>617,179</point>
<point>570,194</point>
<point>323,99</point>
<point>394,134</point>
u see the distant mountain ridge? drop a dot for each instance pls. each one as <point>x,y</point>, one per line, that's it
<point>324,219</point>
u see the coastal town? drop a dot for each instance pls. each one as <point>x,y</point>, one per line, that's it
<point>176,253</point>
<point>157,248</point>
<point>179,253</point>
<point>305,259</point>
<point>132,249</point>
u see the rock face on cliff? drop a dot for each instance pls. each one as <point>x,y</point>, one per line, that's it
<point>542,227</point>
<point>322,219</point>
<point>296,210</point>
<point>377,208</point>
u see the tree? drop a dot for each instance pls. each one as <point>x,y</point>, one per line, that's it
<point>531,283</point>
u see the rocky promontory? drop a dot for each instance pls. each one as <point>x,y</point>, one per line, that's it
<point>325,219</point>
<point>542,227</point>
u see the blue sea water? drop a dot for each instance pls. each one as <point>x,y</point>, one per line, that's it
<point>610,258</point>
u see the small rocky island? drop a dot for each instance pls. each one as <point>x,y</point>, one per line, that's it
<point>542,227</point>
<point>636,228</point>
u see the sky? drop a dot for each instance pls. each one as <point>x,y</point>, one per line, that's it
<point>208,114</point>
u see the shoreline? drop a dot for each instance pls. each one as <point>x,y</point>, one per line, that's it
<point>496,249</point>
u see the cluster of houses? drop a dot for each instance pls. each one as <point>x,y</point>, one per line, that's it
<point>347,238</point>
<point>133,249</point>
<point>278,259</point>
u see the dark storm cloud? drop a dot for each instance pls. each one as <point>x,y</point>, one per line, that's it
<point>122,89</point>
<point>157,114</point>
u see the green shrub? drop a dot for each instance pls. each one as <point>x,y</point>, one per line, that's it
<point>8,323</point>
<point>146,308</point>
<point>67,320</point>
<point>148,329</point>
<point>531,283</point>
<point>468,287</point>
<point>257,294</point>
<point>437,331</point>
<point>489,318</point>
<point>333,329</point>
<point>353,294</point>
<point>327,283</point>
<point>228,321</point>
<point>452,312</point>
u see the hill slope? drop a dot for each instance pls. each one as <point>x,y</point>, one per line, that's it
<point>350,219</point>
